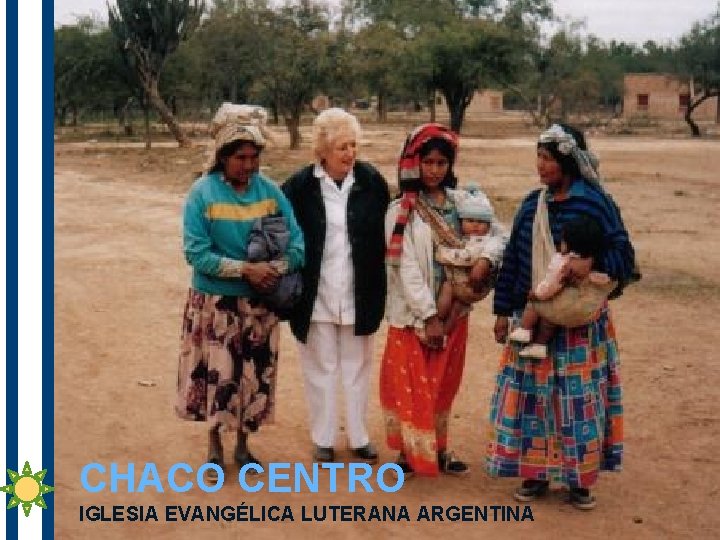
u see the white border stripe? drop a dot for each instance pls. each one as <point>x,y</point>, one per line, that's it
<point>29,250</point>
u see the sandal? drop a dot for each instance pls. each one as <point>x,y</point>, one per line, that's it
<point>531,489</point>
<point>581,499</point>
<point>450,464</point>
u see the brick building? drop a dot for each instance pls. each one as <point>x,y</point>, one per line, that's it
<point>487,101</point>
<point>662,96</point>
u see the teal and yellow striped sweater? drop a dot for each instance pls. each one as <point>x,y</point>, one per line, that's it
<point>216,224</point>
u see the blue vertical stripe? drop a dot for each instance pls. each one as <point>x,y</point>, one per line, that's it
<point>11,254</point>
<point>48,270</point>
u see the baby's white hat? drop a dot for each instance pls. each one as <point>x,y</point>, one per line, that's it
<point>475,205</point>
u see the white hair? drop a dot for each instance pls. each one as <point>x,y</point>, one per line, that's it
<point>331,124</point>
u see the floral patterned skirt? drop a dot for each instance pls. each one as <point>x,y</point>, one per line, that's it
<point>228,361</point>
<point>559,418</point>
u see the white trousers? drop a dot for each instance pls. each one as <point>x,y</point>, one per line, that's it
<point>333,348</point>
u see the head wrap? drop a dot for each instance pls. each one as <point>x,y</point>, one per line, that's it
<point>409,176</point>
<point>238,123</point>
<point>409,164</point>
<point>586,161</point>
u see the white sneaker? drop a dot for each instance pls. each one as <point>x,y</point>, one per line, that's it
<point>534,350</point>
<point>520,335</point>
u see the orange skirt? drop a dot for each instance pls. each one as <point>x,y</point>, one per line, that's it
<point>417,389</point>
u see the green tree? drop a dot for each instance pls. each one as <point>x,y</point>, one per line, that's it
<point>406,16</point>
<point>608,72</point>
<point>699,54</point>
<point>88,71</point>
<point>379,50</point>
<point>466,56</point>
<point>224,51</point>
<point>526,16</point>
<point>343,79</point>
<point>551,77</point>
<point>74,67</point>
<point>411,16</point>
<point>151,30</point>
<point>293,60</point>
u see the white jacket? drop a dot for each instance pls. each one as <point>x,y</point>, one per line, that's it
<point>411,296</point>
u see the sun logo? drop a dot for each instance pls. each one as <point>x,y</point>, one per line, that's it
<point>27,489</point>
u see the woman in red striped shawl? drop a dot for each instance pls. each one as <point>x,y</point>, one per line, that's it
<point>422,365</point>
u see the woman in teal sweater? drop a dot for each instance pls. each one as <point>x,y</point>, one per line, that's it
<point>229,344</point>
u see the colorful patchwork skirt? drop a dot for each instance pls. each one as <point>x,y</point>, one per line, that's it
<point>228,362</point>
<point>559,418</point>
<point>417,389</point>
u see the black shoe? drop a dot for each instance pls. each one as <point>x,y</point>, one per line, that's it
<point>531,489</point>
<point>324,454</point>
<point>215,454</point>
<point>582,499</point>
<point>245,459</point>
<point>450,464</point>
<point>212,474</point>
<point>407,470</point>
<point>366,453</point>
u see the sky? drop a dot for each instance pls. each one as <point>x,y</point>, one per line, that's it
<point>624,20</point>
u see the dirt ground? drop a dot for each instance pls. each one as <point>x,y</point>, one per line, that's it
<point>120,282</point>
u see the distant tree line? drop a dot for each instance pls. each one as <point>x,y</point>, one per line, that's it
<point>187,56</point>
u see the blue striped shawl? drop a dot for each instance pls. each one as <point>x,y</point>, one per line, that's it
<point>584,198</point>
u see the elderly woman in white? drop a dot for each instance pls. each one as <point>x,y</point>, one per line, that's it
<point>340,205</point>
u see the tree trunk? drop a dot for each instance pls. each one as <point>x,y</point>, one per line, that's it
<point>456,104</point>
<point>292,121</point>
<point>123,117</point>
<point>61,115</point>
<point>694,129</point>
<point>166,115</point>
<point>547,112</point>
<point>146,115</point>
<point>456,118</point>
<point>381,108</point>
<point>233,92</point>
<point>563,110</point>
<point>433,106</point>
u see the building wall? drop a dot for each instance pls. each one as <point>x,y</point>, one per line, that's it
<point>487,101</point>
<point>658,95</point>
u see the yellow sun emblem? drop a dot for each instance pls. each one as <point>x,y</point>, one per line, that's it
<point>26,489</point>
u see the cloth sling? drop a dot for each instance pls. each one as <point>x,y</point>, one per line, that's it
<point>543,247</point>
<point>574,305</point>
<point>442,233</point>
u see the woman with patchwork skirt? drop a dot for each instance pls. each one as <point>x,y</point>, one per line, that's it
<point>559,418</point>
